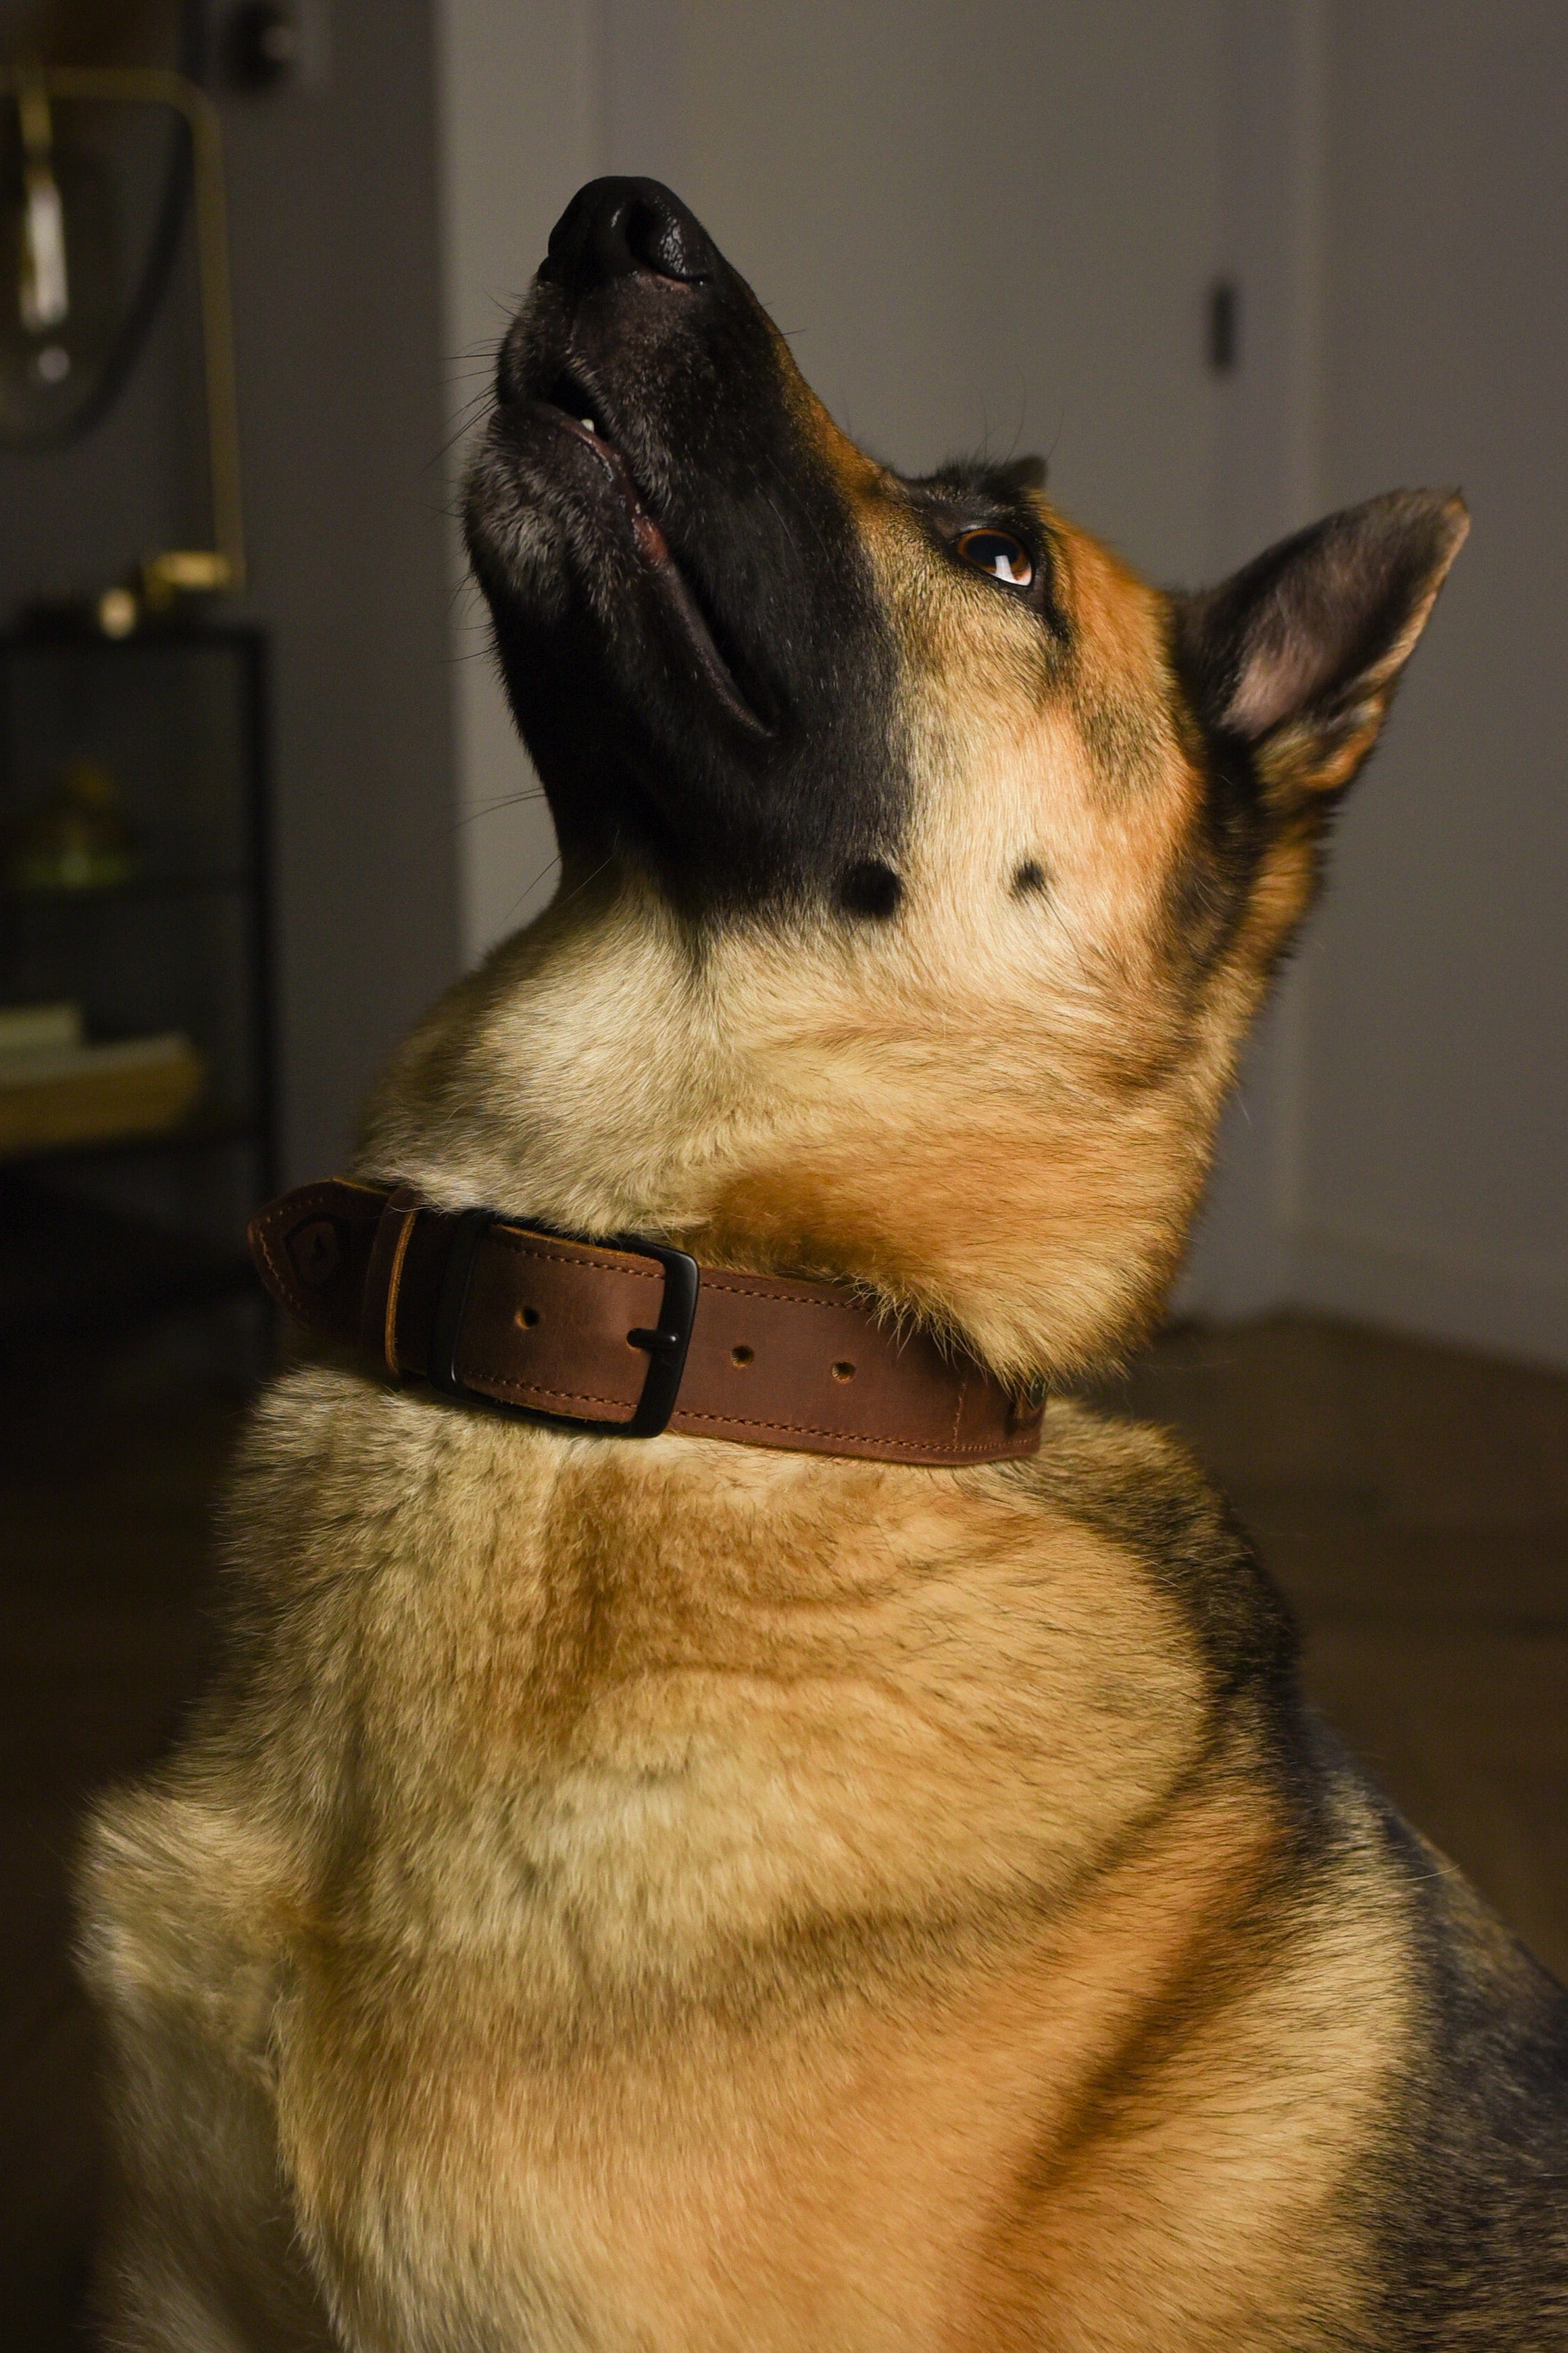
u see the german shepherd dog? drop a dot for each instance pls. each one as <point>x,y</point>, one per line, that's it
<point>689,1894</point>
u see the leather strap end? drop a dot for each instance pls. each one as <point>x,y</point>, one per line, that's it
<point>313,1250</point>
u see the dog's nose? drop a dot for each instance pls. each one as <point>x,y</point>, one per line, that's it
<point>613,229</point>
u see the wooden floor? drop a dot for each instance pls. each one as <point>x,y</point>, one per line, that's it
<point>1412,1500</point>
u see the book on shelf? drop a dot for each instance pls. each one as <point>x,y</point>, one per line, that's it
<point>58,1089</point>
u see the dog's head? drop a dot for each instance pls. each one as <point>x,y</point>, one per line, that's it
<point>922,866</point>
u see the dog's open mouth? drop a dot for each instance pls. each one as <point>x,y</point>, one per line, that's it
<point>573,409</point>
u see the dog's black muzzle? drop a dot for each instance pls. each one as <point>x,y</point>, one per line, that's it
<point>684,611</point>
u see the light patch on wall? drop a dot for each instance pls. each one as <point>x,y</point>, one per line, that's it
<point>522,125</point>
<point>533,102</point>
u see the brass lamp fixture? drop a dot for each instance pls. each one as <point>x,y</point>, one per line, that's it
<point>56,302</point>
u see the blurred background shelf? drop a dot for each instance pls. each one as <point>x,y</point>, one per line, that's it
<point>200,1134</point>
<point>144,759</point>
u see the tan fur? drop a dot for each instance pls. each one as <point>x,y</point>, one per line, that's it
<point>677,1895</point>
<point>857,1872</point>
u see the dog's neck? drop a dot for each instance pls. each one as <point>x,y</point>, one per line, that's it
<point>772,1099</point>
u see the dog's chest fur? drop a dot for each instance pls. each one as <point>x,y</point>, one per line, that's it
<point>712,1906</point>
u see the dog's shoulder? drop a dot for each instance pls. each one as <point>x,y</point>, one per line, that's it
<point>1137,1486</point>
<point>1464,2179</point>
<point>1473,2166</point>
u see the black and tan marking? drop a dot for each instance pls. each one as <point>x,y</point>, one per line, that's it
<point>673,1895</point>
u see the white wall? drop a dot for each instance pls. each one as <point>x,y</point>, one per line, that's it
<point>337,280</point>
<point>1437,1055</point>
<point>518,102</point>
<point>1273,78</point>
<point>986,226</point>
<point>1400,1155</point>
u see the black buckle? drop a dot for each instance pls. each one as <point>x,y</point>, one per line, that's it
<point>667,1345</point>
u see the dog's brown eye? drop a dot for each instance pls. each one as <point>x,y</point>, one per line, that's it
<point>998,553</point>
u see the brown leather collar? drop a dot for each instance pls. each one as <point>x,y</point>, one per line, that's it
<point>626,1338</point>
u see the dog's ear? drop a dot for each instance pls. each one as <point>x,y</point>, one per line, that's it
<point>1296,657</point>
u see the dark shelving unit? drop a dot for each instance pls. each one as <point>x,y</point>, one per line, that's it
<point>122,1228</point>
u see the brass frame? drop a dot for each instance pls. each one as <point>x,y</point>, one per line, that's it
<point>223,566</point>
